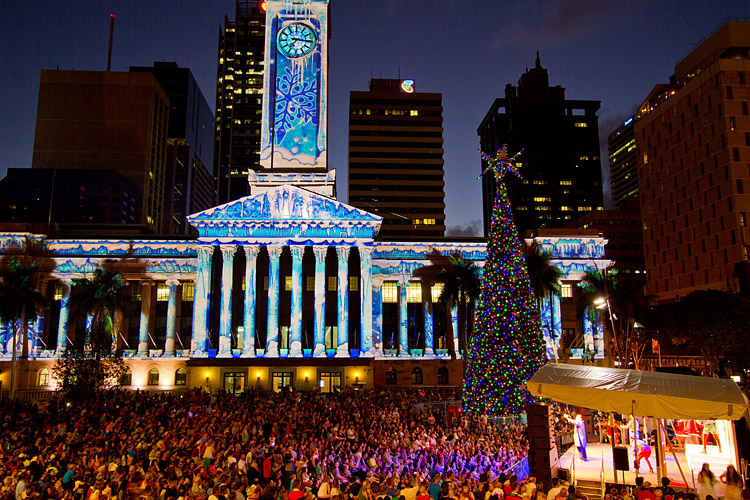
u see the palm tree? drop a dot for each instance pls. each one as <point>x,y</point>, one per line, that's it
<point>19,301</point>
<point>461,287</point>
<point>103,297</point>
<point>544,278</point>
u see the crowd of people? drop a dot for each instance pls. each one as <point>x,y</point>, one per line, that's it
<point>258,446</point>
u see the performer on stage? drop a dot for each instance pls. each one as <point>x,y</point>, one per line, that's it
<point>579,435</point>
<point>644,452</point>
<point>709,427</point>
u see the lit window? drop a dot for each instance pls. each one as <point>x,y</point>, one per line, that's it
<point>542,199</point>
<point>436,290</point>
<point>583,158</point>
<point>544,208</point>
<point>332,283</point>
<point>581,124</point>
<point>414,112</point>
<point>288,283</point>
<point>188,290</point>
<point>565,208</point>
<point>60,290</point>
<point>153,376</point>
<point>522,208</point>
<point>310,284</point>
<point>584,209</point>
<point>414,293</point>
<point>566,291</point>
<point>566,183</point>
<point>645,158</point>
<point>540,182</point>
<point>353,284</point>
<point>390,293</point>
<point>180,376</point>
<point>44,377</point>
<point>162,292</point>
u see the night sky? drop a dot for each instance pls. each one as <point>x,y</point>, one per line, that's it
<point>614,51</point>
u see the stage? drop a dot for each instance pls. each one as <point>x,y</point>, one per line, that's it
<point>691,465</point>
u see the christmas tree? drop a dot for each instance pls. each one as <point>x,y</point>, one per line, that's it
<point>507,346</point>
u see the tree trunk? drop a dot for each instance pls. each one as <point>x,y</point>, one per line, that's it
<point>449,332</point>
<point>25,338</point>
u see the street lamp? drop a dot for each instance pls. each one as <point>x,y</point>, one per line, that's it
<point>603,303</point>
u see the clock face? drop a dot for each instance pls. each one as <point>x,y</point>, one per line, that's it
<point>296,40</point>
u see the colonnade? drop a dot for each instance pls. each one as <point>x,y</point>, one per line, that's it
<point>199,344</point>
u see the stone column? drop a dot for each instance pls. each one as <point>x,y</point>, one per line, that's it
<point>62,325</point>
<point>145,324</point>
<point>454,322</point>
<point>202,292</point>
<point>403,333</point>
<point>225,320</point>
<point>365,301</point>
<point>429,338</point>
<point>377,316</point>
<point>342,344</point>
<point>248,339</point>
<point>171,317</point>
<point>320,301</point>
<point>272,336</point>
<point>295,326</point>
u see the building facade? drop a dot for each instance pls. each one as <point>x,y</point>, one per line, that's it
<point>623,165</point>
<point>286,288</point>
<point>107,120</point>
<point>189,186</point>
<point>693,146</point>
<point>239,96</point>
<point>561,168</point>
<point>396,158</point>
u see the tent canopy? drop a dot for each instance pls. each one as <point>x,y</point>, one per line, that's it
<point>652,394</point>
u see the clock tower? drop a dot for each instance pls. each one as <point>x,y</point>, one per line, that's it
<point>295,88</point>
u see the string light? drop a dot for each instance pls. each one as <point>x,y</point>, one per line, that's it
<point>507,346</point>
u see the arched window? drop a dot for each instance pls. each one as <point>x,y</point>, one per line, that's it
<point>390,376</point>
<point>180,376</point>
<point>44,377</point>
<point>127,377</point>
<point>153,376</point>
<point>416,376</point>
<point>442,376</point>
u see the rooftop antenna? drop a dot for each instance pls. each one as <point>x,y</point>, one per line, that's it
<point>111,35</point>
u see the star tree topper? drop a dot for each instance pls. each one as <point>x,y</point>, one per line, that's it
<point>500,164</point>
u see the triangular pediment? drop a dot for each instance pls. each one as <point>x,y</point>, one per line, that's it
<point>285,203</point>
<point>285,212</point>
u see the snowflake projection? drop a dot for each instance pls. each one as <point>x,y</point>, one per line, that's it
<point>295,102</point>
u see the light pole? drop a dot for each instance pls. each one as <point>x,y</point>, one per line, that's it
<point>602,303</point>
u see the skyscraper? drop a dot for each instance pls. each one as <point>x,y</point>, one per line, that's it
<point>623,167</point>
<point>396,158</point>
<point>189,184</point>
<point>107,120</point>
<point>239,96</point>
<point>561,174</point>
<point>693,147</point>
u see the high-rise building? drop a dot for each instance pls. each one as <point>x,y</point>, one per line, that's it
<point>693,146</point>
<point>396,158</point>
<point>239,99</point>
<point>189,179</point>
<point>623,167</point>
<point>561,169</point>
<point>107,120</point>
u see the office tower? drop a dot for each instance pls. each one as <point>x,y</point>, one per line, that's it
<point>693,146</point>
<point>561,169</point>
<point>189,186</point>
<point>57,199</point>
<point>239,95</point>
<point>623,167</point>
<point>396,158</point>
<point>107,121</point>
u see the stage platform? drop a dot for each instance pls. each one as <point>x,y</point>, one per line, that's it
<point>691,465</point>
